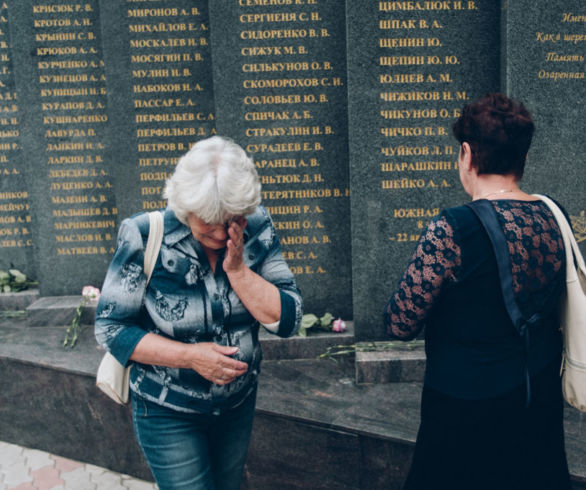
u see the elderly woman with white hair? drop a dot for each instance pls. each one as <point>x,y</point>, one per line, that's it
<point>191,333</point>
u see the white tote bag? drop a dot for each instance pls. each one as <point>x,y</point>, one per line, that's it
<point>113,378</point>
<point>573,315</point>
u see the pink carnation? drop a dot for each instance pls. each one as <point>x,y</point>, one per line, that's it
<point>338,325</point>
<point>90,293</point>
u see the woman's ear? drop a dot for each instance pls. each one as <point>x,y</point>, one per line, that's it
<point>465,157</point>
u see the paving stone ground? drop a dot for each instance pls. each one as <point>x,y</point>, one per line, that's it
<point>29,469</point>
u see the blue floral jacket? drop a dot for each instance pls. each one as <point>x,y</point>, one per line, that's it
<point>185,301</point>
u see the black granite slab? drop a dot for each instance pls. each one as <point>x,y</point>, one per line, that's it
<point>15,219</point>
<point>281,93</point>
<point>409,73</point>
<point>288,454</point>
<point>306,411</point>
<point>298,347</point>
<point>160,94</point>
<point>61,87</point>
<point>398,364</point>
<point>346,108</point>
<point>545,68</point>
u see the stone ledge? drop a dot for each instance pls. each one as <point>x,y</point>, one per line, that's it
<point>398,363</point>
<point>58,311</point>
<point>362,434</point>
<point>298,347</point>
<point>53,311</point>
<point>18,301</point>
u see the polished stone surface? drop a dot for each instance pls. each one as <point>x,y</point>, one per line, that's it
<point>409,74</point>
<point>59,310</point>
<point>297,347</point>
<point>284,99</point>
<point>149,130</point>
<point>63,116</point>
<point>545,69</point>
<point>18,301</point>
<point>307,411</point>
<point>397,364</point>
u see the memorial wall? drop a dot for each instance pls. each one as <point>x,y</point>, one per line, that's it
<point>346,108</point>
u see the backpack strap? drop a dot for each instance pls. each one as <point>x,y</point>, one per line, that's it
<point>153,246</point>
<point>488,217</point>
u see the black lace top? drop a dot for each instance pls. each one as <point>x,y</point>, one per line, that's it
<point>537,257</point>
<point>451,286</point>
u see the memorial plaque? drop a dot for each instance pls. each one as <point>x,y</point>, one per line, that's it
<point>280,86</point>
<point>15,219</point>
<point>161,100</point>
<point>411,67</point>
<point>61,89</point>
<point>546,48</point>
<point>346,108</point>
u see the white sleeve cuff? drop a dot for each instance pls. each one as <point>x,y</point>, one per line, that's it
<point>271,327</point>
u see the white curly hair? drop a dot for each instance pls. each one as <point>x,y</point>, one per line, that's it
<point>215,180</point>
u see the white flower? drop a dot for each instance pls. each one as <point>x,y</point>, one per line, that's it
<point>90,293</point>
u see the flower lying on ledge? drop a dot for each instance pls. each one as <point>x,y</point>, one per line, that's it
<point>14,281</point>
<point>339,325</point>
<point>337,351</point>
<point>326,323</point>
<point>88,293</point>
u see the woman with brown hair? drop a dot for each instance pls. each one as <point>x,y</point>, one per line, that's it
<point>480,427</point>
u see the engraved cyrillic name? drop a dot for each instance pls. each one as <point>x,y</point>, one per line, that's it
<point>73,103</point>
<point>15,219</point>
<point>293,85</point>
<point>172,94</point>
<point>421,93</point>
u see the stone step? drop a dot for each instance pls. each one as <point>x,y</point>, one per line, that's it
<point>390,362</point>
<point>361,435</point>
<point>59,311</point>
<point>297,347</point>
<point>18,301</point>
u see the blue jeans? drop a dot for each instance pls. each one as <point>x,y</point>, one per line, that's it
<point>194,451</point>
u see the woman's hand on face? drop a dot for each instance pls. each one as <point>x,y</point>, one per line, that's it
<point>233,260</point>
<point>213,362</point>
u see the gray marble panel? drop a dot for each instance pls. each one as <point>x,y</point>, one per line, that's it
<point>41,414</point>
<point>280,86</point>
<point>409,73</point>
<point>544,67</point>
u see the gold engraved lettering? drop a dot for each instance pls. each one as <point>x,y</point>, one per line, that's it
<point>417,166</point>
<point>408,6</point>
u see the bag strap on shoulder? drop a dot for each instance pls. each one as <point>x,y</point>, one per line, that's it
<point>488,217</point>
<point>153,246</point>
<point>573,255</point>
